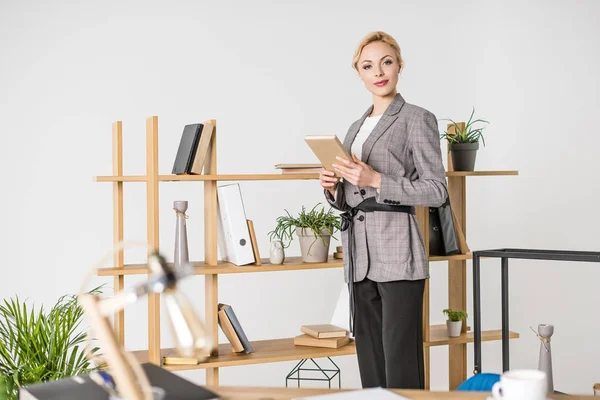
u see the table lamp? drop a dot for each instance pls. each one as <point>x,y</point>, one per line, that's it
<point>189,331</point>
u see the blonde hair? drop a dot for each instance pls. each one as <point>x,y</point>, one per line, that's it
<point>377,37</point>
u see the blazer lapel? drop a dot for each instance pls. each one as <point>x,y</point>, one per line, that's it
<point>386,120</point>
<point>352,134</point>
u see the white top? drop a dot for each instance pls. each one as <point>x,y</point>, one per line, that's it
<point>363,134</point>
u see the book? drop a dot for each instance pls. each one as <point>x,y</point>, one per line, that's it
<point>300,170</point>
<point>237,327</point>
<point>324,331</point>
<point>227,328</point>
<point>188,145</point>
<point>331,343</point>
<point>254,242</point>
<point>202,148</point>
<point>83,387</point>
<point>297,166</point>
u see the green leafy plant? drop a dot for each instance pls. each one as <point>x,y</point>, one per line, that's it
<point>39,346</point>
<point>313,219</point>
<point>454,315</point>
<point>3,388</point>
<point>466,134</point>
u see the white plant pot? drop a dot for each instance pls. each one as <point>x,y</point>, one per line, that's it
<point>454,328</point>
<point>312,247</point>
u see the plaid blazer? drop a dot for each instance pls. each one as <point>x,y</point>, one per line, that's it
<point>404,147</point>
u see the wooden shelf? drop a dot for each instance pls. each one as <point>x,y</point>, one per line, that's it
<point>224,267</point>
<point>264,177</point>
<point>438,336</point>
<point>265,351</point>
<point>277,350</point>
<point>481,173</point>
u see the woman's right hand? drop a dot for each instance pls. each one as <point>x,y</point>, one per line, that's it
<point>328,180</point>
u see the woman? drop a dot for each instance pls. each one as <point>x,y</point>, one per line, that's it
<point>396,164</point>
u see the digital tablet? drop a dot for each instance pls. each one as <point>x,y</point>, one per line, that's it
<point>327,148</point>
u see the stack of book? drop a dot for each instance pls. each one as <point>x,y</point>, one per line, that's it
<point>193,149</point>
<point>339,252</point>
<point>299,168</point>
<point>232,329</point>
<point>326,335</point>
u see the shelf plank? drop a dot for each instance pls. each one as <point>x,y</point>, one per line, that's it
<point>265,351</point>
<point>439,336</point>
<point>481,173</point>
<point>277,350</point>
<point>264,177</point>
<point>224,267</point>
<point>131,178</point>
<point>238,177</point>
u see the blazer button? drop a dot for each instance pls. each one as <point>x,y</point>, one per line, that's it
<point>361,218</point>
<point>363,191</point>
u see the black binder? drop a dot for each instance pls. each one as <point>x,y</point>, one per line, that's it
<point>187,149</point>
<point>83,387</point>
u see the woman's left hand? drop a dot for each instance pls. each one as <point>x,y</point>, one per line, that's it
<point>357,172</point>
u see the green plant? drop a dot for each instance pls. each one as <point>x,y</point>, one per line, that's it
<point>466,134</point>
<point>454,315</point>
<point>313,219</point>
<point>39,346</point>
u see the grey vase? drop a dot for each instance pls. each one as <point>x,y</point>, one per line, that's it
<point>181,242</point>
<point>545,361</point>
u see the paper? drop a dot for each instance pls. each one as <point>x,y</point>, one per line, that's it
<point>371,394</point>
<point>341,314</point>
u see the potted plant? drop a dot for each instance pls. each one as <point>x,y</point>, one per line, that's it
<point>314,229</point>
<point>454,322</point>
<point>39,346</point>
<point>463,142</point>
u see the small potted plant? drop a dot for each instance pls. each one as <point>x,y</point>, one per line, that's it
<point>314,229</point>
<point>463,143</point>
<point>454,322</point>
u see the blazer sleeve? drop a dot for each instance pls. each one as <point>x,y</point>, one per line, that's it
<point>339,200</point>
<point>429,189</point>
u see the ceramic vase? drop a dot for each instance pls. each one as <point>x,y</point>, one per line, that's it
<point>276,252</point>
<point>181,243</point>
<point>545,361</point>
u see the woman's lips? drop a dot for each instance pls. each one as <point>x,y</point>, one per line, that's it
<point>381,83</point>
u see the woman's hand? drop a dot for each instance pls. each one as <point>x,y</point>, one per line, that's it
<point>328,180</point>
<point>357,172</point>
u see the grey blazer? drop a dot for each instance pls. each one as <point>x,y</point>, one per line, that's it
<point>404,147</point>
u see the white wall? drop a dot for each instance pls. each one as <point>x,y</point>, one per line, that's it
<point>270,73</point>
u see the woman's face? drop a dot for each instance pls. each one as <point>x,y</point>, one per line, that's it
<point>378,68</point>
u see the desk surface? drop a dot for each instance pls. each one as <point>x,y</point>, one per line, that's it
<point>258,393</point>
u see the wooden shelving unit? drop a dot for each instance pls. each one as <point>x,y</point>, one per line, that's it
<point>275,350</point>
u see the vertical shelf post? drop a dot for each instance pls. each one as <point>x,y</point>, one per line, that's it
<point>457,275</point>
<point>154,355</point>
<point>211,281</point>
<point>119,282</point>
<point>423,221</point>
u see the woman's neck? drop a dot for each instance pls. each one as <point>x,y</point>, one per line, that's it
<point>380,104</point>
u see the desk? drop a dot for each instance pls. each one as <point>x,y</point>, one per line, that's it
<point>257,393</point>
<point>504,255</point>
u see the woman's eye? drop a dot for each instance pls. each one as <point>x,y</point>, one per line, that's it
<point>366,67</point>
<point>387,62</point>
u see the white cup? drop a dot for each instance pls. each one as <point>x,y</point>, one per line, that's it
<point>525,384</point>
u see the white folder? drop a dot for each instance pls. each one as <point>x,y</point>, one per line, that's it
<point>233,233</point>
<point>341,314</point>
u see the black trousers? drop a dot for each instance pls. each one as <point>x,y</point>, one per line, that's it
<point>389,333</point>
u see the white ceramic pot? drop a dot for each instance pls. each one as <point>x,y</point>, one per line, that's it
<point>454,328</point>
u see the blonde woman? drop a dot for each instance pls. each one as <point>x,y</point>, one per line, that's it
<point>396,165</point>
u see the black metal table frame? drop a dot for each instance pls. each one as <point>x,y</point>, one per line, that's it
<point>504,255</point>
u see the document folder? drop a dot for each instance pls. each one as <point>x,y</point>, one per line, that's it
<point>233,233</point>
